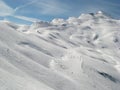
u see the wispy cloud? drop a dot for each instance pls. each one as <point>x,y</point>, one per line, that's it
<point>52,7</point>
<point>44,7</point>
<point>27,18</point>
<point>24,5</point>
<point>40,7</point>
<point>5,10</point>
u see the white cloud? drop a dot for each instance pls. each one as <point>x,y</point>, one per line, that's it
<point>52,7</point>
<point>27,18</point>
<point>5,10</point>
<point>45,7</point>
<point>23,6</point>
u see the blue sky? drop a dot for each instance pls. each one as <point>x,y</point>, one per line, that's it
<point>27,11</point>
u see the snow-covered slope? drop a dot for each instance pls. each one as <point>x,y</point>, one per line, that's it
<point>75,54</point>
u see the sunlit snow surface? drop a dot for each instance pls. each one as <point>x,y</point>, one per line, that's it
<point>75,54</point>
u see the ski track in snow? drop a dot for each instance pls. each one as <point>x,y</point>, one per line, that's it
<point>74,54</point>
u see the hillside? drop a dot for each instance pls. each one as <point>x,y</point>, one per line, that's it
<point>80,53</point>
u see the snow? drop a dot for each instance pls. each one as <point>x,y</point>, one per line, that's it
<point>80,53</point>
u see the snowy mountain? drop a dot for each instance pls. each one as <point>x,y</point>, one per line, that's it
<point>80,53</point>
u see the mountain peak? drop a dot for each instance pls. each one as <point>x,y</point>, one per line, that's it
<point>100,12</point>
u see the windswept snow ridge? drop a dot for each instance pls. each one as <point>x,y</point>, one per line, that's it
<point>75,54</point>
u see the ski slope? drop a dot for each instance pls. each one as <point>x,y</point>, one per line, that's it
<point>80,53</point>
